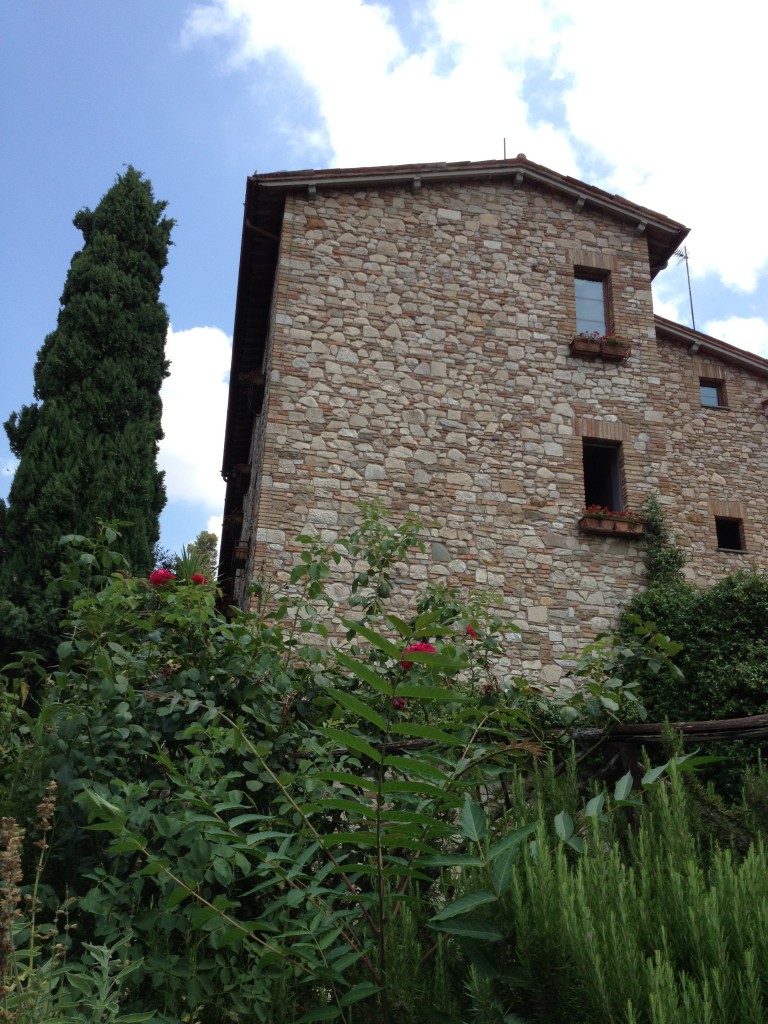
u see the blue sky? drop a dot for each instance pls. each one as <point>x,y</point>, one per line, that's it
<point>199,95</point>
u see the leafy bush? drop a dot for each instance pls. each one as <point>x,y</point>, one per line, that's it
<point>723,631</point>
<point>267,827</point>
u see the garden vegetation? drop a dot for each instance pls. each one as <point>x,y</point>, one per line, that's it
<point>213,817</point>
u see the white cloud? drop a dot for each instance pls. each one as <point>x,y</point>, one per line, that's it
<point>457,99</point>
<point>747,332</point>
<point>668,308</point>
<point>674,116</point>
<point>194,415</point>
<point>625,97</point>
<point>214,525</point>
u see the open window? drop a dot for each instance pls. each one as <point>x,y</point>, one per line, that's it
<point>604,475</point>
<point>730,534</point>
<point>592,303</point>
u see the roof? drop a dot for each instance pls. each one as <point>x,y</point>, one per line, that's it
<point>698,342</point>
<point>664,235</point>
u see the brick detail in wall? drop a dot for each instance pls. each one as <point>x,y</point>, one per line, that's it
<point>603,430</point>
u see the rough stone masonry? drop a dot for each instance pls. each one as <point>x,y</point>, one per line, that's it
<point>418,352</point>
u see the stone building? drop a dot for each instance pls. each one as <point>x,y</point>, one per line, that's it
<point>411,333</point>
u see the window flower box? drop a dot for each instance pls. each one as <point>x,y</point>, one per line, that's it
<point>615,348</point>
<point>591,345</point>
<point>601,521</point>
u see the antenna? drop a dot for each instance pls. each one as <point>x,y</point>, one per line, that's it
<point>682,255</point>
<point>505,148</point>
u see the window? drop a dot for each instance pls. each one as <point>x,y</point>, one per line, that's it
<point>603,475</point>
<point>730,534</point>
<point>591,306</point>
<point>712,393</point>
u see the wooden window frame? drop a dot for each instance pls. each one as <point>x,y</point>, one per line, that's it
<point>718,386</point>
<point>614,496</point>
<point>602,277</point>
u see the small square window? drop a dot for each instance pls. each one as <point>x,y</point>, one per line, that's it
<point>712,393</point>
<point>730,534</point>
<point>591,305</point>
<point>603,475</point>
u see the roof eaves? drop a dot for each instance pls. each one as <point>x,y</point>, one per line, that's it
<point>667,233</point>
<point>699,342</point>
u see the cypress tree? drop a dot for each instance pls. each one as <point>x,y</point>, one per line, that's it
<point>87,447</point>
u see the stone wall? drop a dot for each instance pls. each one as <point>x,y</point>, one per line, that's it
<point>421,355</point>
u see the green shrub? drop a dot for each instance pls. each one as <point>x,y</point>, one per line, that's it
<point>722,631</point>
<point>658,929</point>
<point>271,828</point>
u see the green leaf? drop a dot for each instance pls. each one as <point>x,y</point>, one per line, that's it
<point>415,766</point>
<point>470,929</point>
<point>402,628</point>
<point>690,762</point>
<point>436,660</point>
<point>359,708</point>
<point>424,692</point>
<point>340,804</point>
<point>358,992</point>
<point>413,786</point>
<point>154,867</point>
<point>653,774</point>
<point>352,742</point>
<point>511,841</point>
<point>609,703</point>
<point>103,807</point>
<point>347,779</point>
<point>465,904</point>
<point>177,896</point>
<point>623,787</point>
<point>451,860</point>
<point>503,870</point>
<point>564,825</point>
<point>355,838</point>
<point>366,674</point>
<point>595,806</point>
<point>203,915</point>
<point>424,732</point>
<point>427,618</point>
<point>381,642</point>
<point>473,822</point>
<point>403,817</point>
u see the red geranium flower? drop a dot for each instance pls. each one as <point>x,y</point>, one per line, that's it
<point>161,576</point>
<point>420,646</point>
<point>197,578</point>
<point>471,632</point>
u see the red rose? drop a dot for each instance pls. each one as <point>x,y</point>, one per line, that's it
<point>420,646</point>
<point>197,578</point>
<point>161,576</point>
<point>471,632</point>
